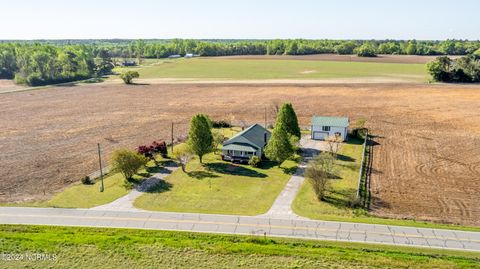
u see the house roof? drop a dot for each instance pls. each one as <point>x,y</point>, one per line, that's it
<point>330,121</point>
<point>253,135</point>
<point>239,147</point>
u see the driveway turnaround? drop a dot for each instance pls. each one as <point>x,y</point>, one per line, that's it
<point>243,225</point>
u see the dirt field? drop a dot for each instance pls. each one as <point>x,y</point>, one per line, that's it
<point>407,59</point>
<point>426,166</point>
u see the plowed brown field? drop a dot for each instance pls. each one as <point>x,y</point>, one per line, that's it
<point>426,164</point>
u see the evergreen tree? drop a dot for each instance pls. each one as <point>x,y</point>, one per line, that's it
<point>279,147</point>
<point>200,138</point>
<point>287,119</point>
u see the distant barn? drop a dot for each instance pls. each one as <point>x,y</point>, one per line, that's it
<point>174,56</point>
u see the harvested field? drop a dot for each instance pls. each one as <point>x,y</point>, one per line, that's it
<point>426,163</point>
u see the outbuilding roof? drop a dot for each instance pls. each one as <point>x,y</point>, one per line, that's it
<point>330,121</point>
<point>253,135</point>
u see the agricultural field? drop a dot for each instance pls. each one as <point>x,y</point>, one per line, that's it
<point>282,68</point>
<point>426,158</point>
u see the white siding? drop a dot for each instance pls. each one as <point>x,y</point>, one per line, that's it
<point>343,131</point>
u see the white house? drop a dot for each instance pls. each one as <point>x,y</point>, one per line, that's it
<point>249,142</point>
<point>323,127</point>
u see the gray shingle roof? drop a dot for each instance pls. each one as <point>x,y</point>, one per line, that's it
<point>253,135</point>
<point>330,121</point>
<point>239,147</point>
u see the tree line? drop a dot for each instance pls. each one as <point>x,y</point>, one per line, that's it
<point>161,49</point>
<point>42,64</point>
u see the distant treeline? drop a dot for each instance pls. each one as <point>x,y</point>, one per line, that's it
<point>42,62</point>
<point>162,48</point>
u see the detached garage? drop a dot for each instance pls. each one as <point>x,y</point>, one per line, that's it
<point>323,127</point>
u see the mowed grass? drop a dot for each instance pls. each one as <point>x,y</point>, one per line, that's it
<point>219,187</point>
<point>338,204</point>
<point>342,189</point>
<point>243,69</point>
<point>75,247</point>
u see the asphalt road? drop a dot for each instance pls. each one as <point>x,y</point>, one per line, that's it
<point>259,225</point>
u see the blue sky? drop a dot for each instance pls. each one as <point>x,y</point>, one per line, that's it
<point>368,19</point>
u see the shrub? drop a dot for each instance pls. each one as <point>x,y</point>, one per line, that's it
<point>127,162</point>
<point>221,124</point>
<point>128,76</point>
<point>254,161</point>
<point>87,180</point>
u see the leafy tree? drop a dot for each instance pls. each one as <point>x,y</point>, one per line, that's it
<point>183,154</point>
<point>345,47</point>
<point>287,119</point>
<point>218,139</point>
<point>105,63</point>
<point>128,76</point>
<point>439,69</point>
<point>278,147</point>
<point>411,48</point>
<point>127,162</point>
<point>366,50</point>
<point>200,138</point>
<point>319,173</point>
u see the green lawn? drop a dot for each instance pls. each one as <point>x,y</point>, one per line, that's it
<point>219,187</point>
<point>337,206</point>
<point>240,69</point>
<point>74,247</point>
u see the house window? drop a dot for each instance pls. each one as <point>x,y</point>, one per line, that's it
<point>326,128</point>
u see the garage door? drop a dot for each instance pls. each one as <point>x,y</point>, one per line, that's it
<point>320,135</point>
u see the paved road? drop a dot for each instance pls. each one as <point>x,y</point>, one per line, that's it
<point>297,228</point>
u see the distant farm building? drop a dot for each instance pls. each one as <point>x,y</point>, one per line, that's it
<point>174,56</point>
<point>323,127</point>
<point>129,63</point>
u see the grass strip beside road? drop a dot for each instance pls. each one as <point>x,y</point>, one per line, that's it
<point>127,248</point>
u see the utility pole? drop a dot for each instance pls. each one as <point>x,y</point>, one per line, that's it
<point>265,117</point>
<point>102,188</point>
<point>171,145</point>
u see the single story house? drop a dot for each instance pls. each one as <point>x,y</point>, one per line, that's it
<point>323,127</point>
<point>249,142</point>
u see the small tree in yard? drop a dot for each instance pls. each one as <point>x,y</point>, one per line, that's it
<point>183,155</point>
<point>318,173</point>
<point>128,76</point>
<point>127,162</point>
<point>200,138</point>
<point>279,148</point>
<point>287,119</point>
<point>218,139</point>
<point>334,143</point>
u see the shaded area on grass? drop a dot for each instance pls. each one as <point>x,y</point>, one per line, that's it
<point>232,169</point>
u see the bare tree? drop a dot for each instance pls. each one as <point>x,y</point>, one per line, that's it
<point>334,144</point>
<point>319,173</point>
<point>275,107</point>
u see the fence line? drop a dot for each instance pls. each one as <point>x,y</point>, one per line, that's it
<point>362,165</point>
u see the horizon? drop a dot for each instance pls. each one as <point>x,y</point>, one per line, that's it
<point>214,19</point>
